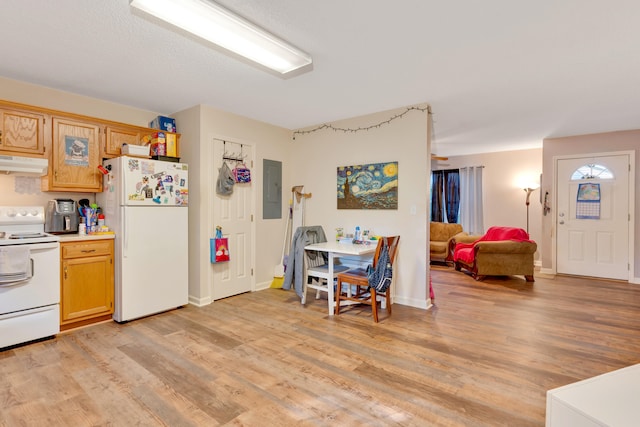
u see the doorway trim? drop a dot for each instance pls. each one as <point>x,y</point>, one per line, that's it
<point>631,197</point>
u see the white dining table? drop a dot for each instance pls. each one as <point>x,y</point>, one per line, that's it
<point>335,250</point>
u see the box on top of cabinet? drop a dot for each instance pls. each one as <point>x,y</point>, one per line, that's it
<point>172,145</point>
<point>163,123</point>
<point>159,144</point>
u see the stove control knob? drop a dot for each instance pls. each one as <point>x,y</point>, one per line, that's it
<point>23,213</point>
<point>34,212</point>
<point>12,213</point>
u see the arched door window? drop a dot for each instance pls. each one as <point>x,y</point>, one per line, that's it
<point>591,171</point>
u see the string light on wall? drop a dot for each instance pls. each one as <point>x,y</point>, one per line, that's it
<point>366,128</point>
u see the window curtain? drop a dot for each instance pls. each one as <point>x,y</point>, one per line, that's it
<point>437,183</point>
<point>452,194</point>
<point>471,209</point>
<point>445,195</point>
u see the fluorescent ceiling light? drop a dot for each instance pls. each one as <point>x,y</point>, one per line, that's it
<point>220,26</point>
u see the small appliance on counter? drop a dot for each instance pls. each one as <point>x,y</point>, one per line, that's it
<point>61,217</point>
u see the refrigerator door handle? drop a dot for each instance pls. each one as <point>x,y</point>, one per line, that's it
<point>125,246</point>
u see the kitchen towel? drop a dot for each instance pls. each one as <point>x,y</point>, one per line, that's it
<point>14,263</point>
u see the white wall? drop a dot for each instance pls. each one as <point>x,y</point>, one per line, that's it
<point>316,157</point>
<point>205,123</point>
<point>25,93</point>
<point>503,196</point>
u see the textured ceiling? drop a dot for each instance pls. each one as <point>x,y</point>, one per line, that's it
<point>499,74</point>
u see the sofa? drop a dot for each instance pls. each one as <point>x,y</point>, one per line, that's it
<point>440,236</point>
<point>502,251</point>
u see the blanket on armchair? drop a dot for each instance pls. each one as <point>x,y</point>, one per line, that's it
<point>464,251</point>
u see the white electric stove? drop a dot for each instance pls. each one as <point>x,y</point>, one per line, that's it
<point>23,225</point>
<point>29,276</point>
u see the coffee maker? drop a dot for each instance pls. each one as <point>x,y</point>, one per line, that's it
<point>61,217</point>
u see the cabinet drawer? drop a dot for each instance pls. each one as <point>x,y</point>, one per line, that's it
<point>86,249</point>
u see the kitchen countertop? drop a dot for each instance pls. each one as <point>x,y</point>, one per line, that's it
<point>79,237</point>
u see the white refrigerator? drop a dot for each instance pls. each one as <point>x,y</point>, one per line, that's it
<point>145,203</point>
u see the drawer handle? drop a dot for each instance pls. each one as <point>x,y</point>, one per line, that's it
<point>86,251</point>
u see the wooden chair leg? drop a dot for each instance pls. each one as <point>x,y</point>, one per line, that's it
<point>303,300</point>
<point>374,305</point>
<point>337,297</point>
<point>388,297</point>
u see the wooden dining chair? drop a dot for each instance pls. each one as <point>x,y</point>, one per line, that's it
<point>358,279</point>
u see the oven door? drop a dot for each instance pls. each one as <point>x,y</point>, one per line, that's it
<point>42,288</point>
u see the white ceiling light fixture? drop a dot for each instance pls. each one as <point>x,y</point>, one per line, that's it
<point>213,23</point>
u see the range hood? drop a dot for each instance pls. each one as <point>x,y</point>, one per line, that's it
<point>31,165</point>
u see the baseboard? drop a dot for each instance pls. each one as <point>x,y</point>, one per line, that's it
<point>551,273</point>
<point>411,302</point>
<point>263,285</point>
<point>199,302</point>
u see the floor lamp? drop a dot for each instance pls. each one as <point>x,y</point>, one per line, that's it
<point>529,190</point>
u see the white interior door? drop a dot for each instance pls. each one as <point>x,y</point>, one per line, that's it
<point>234,214</point>
<point>592,235</point>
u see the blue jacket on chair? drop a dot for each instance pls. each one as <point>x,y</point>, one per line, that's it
<point>294,273</point>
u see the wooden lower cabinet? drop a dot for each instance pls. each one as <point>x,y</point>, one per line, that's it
<point>87,282</point>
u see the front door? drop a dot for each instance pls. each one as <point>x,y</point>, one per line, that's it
<point>234,213</point>
<point>592,219</point>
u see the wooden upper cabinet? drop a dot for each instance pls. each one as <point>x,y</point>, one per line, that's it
<point>75,145</point>
<point>75,157</point>
<point>116,136</point>
<point>22,132</point>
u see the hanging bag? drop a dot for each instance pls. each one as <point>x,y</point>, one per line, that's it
<point>224,185</point>
<point>380,277</point>
<point>219,247</point>
<point>242,174</point>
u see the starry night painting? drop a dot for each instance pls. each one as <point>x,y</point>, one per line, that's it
<point>371,186</point>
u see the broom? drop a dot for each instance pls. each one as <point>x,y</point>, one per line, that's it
<point>278,271</point>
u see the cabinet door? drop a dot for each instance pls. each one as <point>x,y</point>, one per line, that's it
<point>21,132</point>
<point>76,156</point>
<point>117,136</point>
<point>87,288</point>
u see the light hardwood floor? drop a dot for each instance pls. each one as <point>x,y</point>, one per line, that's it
<point>484,355</point>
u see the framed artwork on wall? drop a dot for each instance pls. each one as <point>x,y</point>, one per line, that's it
<point>368,186</point>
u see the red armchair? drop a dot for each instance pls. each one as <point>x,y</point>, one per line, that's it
<point>502,251</point>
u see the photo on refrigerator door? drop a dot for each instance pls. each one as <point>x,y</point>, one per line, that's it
<point>161,183</point>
